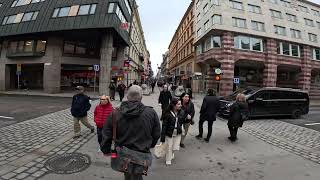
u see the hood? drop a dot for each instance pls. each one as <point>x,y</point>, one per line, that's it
<point>131,109</point>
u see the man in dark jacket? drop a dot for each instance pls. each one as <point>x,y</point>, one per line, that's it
<point>112,88</point>
<point>121,89</point>
<point>138,127</point>
<point>209,108</point>
<point>79,108</point>
<point>164,98</point>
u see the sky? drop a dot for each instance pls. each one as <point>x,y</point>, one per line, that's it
<point>160,19</point>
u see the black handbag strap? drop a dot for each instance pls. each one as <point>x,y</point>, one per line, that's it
<point>114,124</point>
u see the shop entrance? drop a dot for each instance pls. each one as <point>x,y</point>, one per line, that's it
<point>288,76</point>
<point>78,75</point>
<point>250,74</point>
<point>31,77</point>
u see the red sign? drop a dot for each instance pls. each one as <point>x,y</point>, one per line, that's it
<point>126,64</point>
<point>124,26</point>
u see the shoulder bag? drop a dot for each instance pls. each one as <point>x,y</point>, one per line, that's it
<point>126,160</point>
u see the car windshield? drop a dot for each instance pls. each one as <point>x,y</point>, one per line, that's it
<point>246,91</point>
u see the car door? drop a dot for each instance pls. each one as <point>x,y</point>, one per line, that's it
<point>277,103</point>
<point>258,103</point>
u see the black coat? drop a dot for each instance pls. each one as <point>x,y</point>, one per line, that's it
<point>209,108</point>
<point>164,99</point>
<point>138,128</point>
<point>168,126</point>
<point>80,105</point>
<point>236,109</point>
<point>188,109</point>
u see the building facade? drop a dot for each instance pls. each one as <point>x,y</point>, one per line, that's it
<point>181,60</point>
<point>53,45</point>
<point>263,43</point>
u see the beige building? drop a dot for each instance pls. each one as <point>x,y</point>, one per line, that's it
<point>261,42</point>
<point>181,62</point>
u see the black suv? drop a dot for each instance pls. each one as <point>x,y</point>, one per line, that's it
<point>271,101</point>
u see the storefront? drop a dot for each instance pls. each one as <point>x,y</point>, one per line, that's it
<point>75,75</point>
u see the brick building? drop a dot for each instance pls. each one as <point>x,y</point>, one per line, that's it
<point>264,43</point>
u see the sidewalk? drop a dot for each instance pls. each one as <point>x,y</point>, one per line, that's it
<point>266,150</point>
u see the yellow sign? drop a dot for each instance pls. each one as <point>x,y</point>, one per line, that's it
<point>18,67</point>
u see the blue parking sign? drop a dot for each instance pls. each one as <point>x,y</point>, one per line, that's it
<point>236,80</point>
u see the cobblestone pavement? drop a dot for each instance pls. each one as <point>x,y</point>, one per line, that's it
<point>24,147</point>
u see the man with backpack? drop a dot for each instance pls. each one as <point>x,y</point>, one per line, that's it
<point>79,108</point>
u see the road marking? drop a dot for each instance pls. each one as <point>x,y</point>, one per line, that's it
<point>5,117</point>
<point>311,124</point>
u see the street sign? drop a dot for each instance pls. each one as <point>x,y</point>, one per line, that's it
<point>236,80</point>
<point>217,71</point>
<point>96,67</point>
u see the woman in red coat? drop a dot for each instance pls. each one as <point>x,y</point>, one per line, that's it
<point>101,113</point>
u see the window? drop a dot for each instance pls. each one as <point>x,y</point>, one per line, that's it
<point>207,44</point>
<point>198,3</point>
<point>316,54</point>
<point>83,49</point>
<point>303,9</point>
<point>280,30</point>
<point>308,22</point>
<point>216,19</point>
<point>111,7</point>
<point>5,20</point>
<point>128,6</point>
<point>24,2</point>
<point>198,49</point>
<point>288,49</point>
<point>87,9</point>
<point>276,14</point>
<point>199,32</point>
<point>315,12</point>
<point>73,10</point>
<point>61,12</point>
<point>205,8</point>
<point>29,16</point>
<point>27,46</point>
<point>206,25</point>
<point>292,17</point>
<point>198,17</point>
<point>313,37</point>
<point>120,15</point>
<point>258,26</point>
<point>215,2</point>
<point>295,33</point>
<point>11,19</point>
<point>286,3</point>
<point>273,1</point>
<point>248,43</point>
<point>216,41</point>
<point>238,22</point>
<point>236,5</point>
<point>254,8</point>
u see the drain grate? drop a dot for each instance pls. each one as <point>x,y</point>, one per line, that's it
<point>68,163</point>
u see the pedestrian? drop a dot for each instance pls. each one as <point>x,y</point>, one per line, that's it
<point>188,114</point>
<point>171,129</point>
<point>238,113</point>
<point>121,88</point>
<point>138,127</point>
<point>179,90</point>
<point>153,84</point>
<point>209,108</point>
<point>164,98</point>
<point>79,108</point>
<point>112,88</point>
<point>101,112</point>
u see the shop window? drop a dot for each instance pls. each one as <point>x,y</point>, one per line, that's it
<point>41,46</point>
<point>28,46</point>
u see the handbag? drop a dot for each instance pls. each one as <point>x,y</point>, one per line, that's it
<point>160,150</point>
<point>127,160</point>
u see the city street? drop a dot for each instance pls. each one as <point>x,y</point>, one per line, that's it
<point>16,108</point>
<point>267,149</point>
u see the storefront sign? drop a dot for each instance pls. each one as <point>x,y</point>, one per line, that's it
<point>236,80</point>
<point>96,67</point>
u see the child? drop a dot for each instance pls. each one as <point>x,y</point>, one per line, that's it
<point>101,113</point>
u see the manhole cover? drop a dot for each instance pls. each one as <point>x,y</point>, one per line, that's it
<point>68,163</point>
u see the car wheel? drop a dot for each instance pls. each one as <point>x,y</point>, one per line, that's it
<point>296,114</point>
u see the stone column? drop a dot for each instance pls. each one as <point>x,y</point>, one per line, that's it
<point>270,70</point>
<point>3,73</point>
<point>105,63</point>
<point>52,66</point>
<point>305,75</point>
<point>227,65</point>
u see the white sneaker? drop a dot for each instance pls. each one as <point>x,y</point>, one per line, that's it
<point>99,150</point>
<point>168,162</point>
<point>172,156</point>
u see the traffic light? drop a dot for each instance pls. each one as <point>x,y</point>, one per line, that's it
<point>217,74</point>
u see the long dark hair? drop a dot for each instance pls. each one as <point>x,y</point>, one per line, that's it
<point>173,103</point>
<point>182,95</point>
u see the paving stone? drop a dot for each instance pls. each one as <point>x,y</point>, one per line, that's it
<point>20,170</point>
<point>38,174</point>
<point>32,170</point>
<point>9,175</point>
<point>22,175</point>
